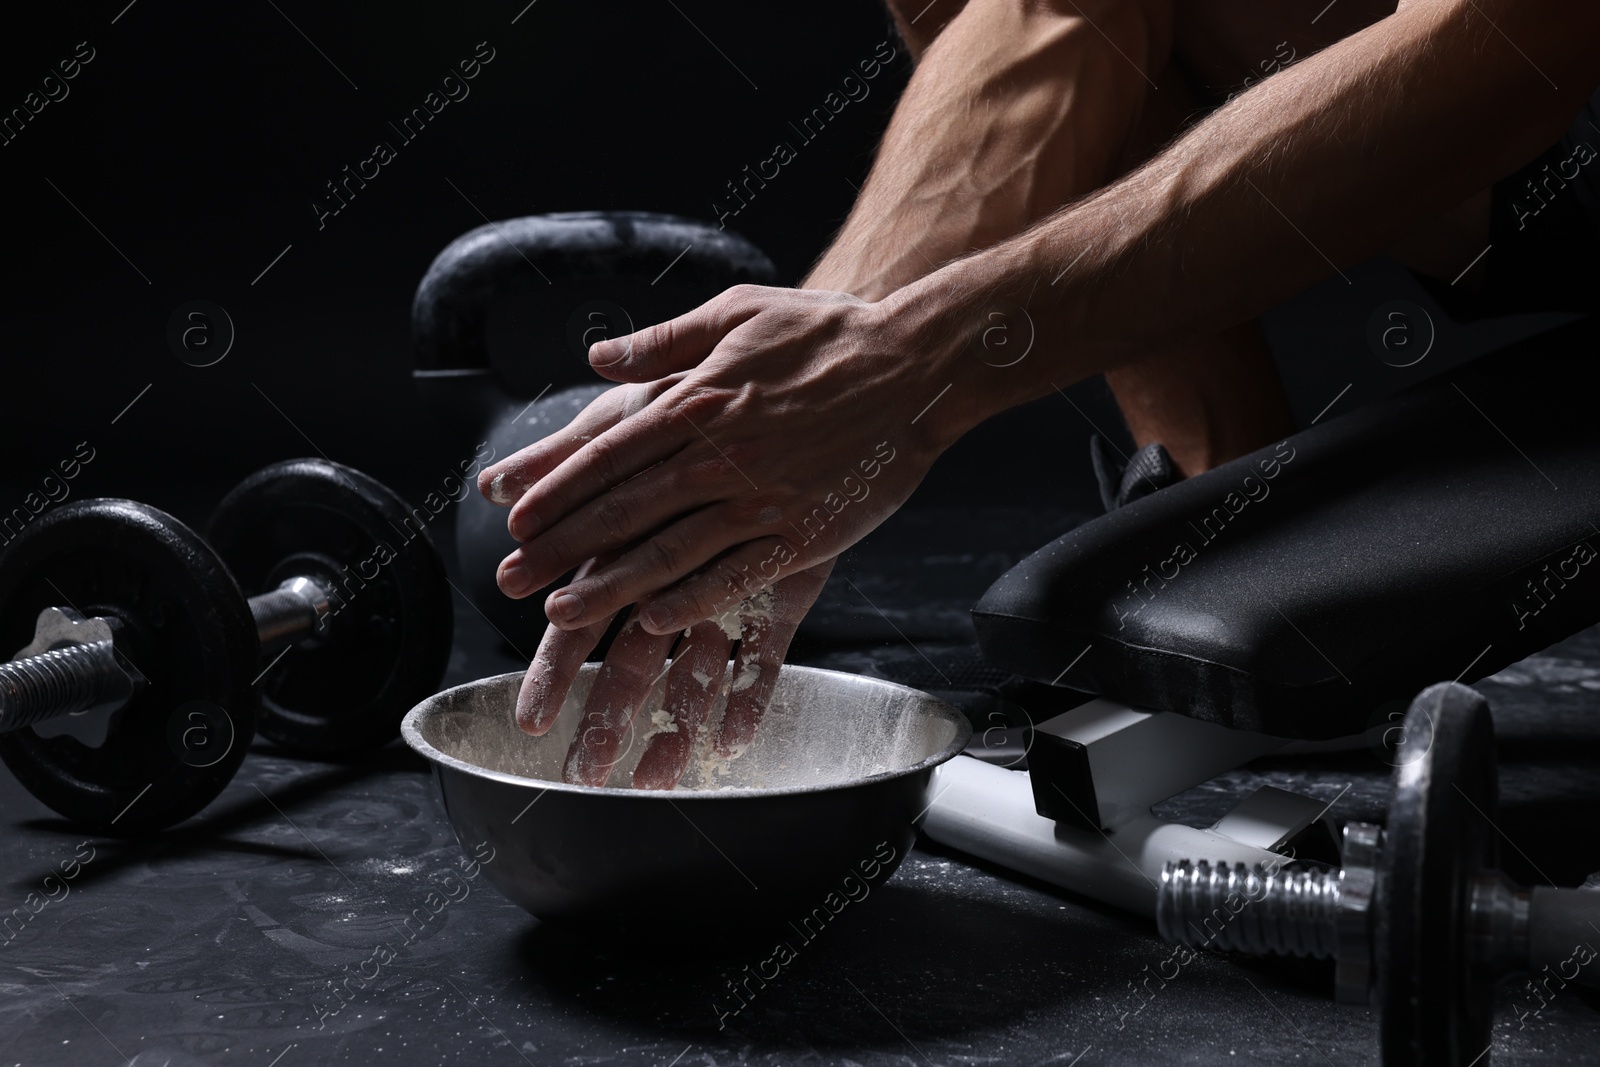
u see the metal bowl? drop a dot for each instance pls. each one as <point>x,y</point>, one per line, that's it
<point>823,800</point>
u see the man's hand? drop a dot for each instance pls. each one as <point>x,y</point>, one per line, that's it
<point>786,427</point>
<point>634,663</point>
<point>766,432</point>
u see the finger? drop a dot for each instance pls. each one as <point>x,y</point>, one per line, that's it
<point>553,670</point>
<point>677,344</point>
<point>632,665</point>
<point>721,586</point>
<point>599,465</point>
<point>505,482</point>
<point>766,633</point>
<point>651,565</point>
<point>551,674</point>
<point>620,518</point>
<point>692,687</point>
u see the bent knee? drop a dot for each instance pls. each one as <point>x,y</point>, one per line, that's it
<point>919,21</point>
<point>1142,29</point>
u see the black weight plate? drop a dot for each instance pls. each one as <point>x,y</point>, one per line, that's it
<point>389,628</point>
<point>1437,1006</point>
<point>183,624</point>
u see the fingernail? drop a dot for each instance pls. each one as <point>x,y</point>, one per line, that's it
<point>605,353</point>
<point>657,620</point>
<point>564,607</point>
<point>515,579</point>
<point>524,527</point>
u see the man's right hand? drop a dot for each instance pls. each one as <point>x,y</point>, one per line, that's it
<point>766,625</point>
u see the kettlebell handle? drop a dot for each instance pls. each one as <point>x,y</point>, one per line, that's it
<point>450,309</point>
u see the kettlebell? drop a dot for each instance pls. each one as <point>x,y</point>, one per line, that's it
<point>546,287</point>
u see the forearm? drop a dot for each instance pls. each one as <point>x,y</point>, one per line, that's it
<point>1037,105</point>
<point>1311,171</point>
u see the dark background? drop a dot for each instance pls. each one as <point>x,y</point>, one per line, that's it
<point>199,136</point>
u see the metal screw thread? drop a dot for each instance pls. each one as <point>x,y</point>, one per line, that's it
<point>1235,908</point>
<point>58,682</point>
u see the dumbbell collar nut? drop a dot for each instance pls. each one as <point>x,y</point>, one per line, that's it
<point>1352,972</point>
<point>71,667</point>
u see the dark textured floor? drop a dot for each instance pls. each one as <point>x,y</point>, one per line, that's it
<point>222,942</point>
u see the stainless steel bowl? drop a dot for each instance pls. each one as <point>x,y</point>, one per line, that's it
<point>826,792</point>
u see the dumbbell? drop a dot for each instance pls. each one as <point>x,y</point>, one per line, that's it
<point>318,610</point>
<point>1419,914</point>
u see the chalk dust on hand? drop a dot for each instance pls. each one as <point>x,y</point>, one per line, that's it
<point>729,621</point>
<point>757,608</point>
<point>714,765</point>
<point>815,732</point>
<point>749,671</point>
<point>497,489</point>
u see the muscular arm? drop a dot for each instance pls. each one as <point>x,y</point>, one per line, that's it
<point>788,392</point>
<point>1316,168</point>
<point>1012,110</point>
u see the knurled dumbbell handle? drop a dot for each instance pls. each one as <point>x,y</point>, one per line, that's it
<point>1562,934</point>
<point>289,613</point>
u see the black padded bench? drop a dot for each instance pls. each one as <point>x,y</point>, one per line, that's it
<point>1307,589</point>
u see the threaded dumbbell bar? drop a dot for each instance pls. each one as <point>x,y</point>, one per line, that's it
<point>74,672</point>
<point>61,681</point>
<point>340,569</point>
<point>1418,912</point>
<point>1236,908</point>
<point>1286,912</point>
